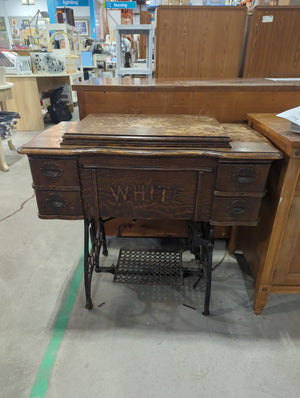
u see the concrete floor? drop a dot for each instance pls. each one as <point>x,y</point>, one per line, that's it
<point>142,343</point>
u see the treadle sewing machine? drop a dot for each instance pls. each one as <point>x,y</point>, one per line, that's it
<point>152,167</point>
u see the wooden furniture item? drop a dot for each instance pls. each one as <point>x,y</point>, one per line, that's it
<point>272,48</point>
<point>150,167</point>
<point>26,96</point>
<point>227,100</point>
<point>272,248</point>
<point>146,30</point>
<point>199,42</point>
<point>5,94</point>
<point>145,18</point>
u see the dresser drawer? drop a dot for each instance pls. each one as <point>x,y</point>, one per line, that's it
<point>54,172</point>
<point>59,203</point>
<point>235,209</point>
<point>242,177</point>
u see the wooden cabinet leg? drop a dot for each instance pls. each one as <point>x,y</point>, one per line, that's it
<point>3,164</point>
<point>260,300</point>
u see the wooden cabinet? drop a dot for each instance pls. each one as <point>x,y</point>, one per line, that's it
<point>150,167</point>
<point>287,270</point>
<point>272,249</point>
<point>267,53</point>
<point>184,168</point>
<point>199,42</point>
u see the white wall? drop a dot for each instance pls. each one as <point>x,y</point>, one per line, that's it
<point>81,12</point>
<point>14,8</point>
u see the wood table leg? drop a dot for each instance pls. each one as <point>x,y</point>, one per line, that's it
<point>3,164</point>
<point>11,145</point>
<point>260,300</point>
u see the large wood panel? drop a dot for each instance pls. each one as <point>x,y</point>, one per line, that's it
<point>273,44</point>
<point>226,100</point>
<point>26,101</point>
<point>145,18</point>
<point>195,42</point>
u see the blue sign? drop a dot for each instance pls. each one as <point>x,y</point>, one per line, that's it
<point>120,5</point>
<point>72,3</point>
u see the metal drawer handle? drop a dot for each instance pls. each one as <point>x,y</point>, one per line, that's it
<point>238,210</point>
<point>51,170</point>
<point>238,207</point>
<point>56,201</point>
<point>245,175</point>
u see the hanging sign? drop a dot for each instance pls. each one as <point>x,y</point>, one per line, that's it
<point>120,5</point>
<point>72,3</point>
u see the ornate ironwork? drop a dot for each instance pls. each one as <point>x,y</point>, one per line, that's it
<point>200,241</point>
<point>149,266</point>
<point>94,236</point>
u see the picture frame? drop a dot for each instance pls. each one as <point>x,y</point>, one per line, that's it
<point>82,25</point>
<point>25,22</point>
<point>2,24</point>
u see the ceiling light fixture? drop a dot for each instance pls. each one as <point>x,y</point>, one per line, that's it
<point>28,2</point>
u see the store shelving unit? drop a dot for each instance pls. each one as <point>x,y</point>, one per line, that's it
<point>135,30</point>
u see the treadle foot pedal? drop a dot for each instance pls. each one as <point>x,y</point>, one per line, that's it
<point>149,266</point>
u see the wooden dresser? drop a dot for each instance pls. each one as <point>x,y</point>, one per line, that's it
<point>178,167</point>
<point>272,249</point>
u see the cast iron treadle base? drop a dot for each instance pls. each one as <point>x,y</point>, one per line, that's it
<point>143,266</point>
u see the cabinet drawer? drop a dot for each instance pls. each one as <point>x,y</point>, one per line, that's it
<point>242,177</point>
<point>59,203</point>
<point>54,172</point>
<point>235,209</point>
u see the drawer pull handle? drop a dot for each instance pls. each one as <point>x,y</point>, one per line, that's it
<point>238,207</point>
<point>245,175</point>
<point>51,170</point>
<point>238,210</point>
<point>56,201</point>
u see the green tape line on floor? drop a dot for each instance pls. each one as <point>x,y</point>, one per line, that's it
<point>40,386</point>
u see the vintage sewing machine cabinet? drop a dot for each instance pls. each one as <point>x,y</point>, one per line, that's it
<point>152,167</point>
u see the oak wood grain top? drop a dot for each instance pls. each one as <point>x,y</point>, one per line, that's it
<point>182,131</point>
<point>278,131</point>
<point>146,84</point>
<point>245,144</point>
